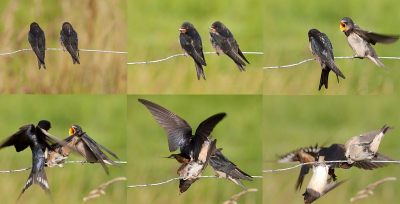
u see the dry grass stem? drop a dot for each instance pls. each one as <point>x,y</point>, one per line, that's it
<point>237,196</point>
<point>100,190</point>
<point>364,193</point>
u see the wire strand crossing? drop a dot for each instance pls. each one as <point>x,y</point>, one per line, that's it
<point>157,184</point>
<point>292,65</point>
<point>177,55</point>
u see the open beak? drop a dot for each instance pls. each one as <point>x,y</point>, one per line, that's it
<point>342,26</point>
<point>71,131</point>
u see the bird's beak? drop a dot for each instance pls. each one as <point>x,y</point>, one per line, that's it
<point>212,29</point>
<point>342,26</point>
<point>182,30</point>
<point>71,131</point>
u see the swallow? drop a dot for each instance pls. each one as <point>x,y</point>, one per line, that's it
<point>319,183</point>
<point>60,153</point>
<point>335,152</point>
<point>69,41</point>
<point>191,171</point>
<point>223,42</point>
<point>360,40</point>
<point>322,49</point>
<point>228,170</point>
<point>179,131</point>
<point>191,44</point>
<point>37,40</point>
<point>364,146</point>
<point>181,158</point>
<point>38,139</point>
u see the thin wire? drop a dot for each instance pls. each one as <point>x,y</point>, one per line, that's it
<point>84,50</point>
<point>299,165</point>
<point>177,55</point>
<point>157,184</point>
<point>292,65</point>
<point>17,170</point>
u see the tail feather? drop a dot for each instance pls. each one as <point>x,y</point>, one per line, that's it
<point>39,179</point>
<point>324,78</point>
<point>199,70</point>
<point>377,61</point>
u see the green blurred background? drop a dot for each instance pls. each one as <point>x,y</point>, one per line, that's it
<point>239,134</point>
<point>102,117</point>
<point>153,35</point>
<point>292,122</point>
<point>286,25</point>
<point>101,25</point>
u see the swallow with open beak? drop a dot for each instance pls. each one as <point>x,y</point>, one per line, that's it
<point>38,139</point>
<point>69,41</point>
<point>364,146</point>
<point>89,148</point>
<point>179,131</point>
<point>319,183</point>
<point>223,42</point>
<point>360,40</point>
<point>322,49</point>
<point>333,153</point>
<point>228,170</point>
<point>191,45</point>
<point>37,40</point>
<point>191,171</point>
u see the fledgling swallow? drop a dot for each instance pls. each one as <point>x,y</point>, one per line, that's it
<point>319,183</point>
<point>364,146</point>
<point>360,40</point>
<point>223,42</point>
<point>179,131</point>
<point>228,170</point>
<point>191,44</point>
<point>89,148</point>
<point>190,172</point>
<point>38,139</point>
<point>37,40</point>
<point>69,41</point>
<point>322,49</point>
<point>333,153</point>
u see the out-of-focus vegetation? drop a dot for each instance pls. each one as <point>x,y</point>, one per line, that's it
<point>101,25</point>
<point>286,24</point>
<point>153,35</point>
<point>292,122</point>
<point>102,117</point>
<point>238,134</point>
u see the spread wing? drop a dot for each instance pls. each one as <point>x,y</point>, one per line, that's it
<point>19,139</point>
<point>374,38</point>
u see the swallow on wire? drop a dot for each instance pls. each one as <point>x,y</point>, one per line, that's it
<point>322,49</point>
<point>223,42</point>
<point>191,44</point>
<point>360,40</point>
<point>37,40</point>
<point>38,139</point>
<point>69,41</point>
<point>179,131</point>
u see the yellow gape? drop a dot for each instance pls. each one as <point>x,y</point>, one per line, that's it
<point>342,26</point>
<point>71,131</point>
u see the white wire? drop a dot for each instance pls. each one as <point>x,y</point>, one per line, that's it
<point>84,50</point>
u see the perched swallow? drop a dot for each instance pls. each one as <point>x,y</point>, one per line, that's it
<point>223,42</point>
<point>322,49</point>
<point>319,183</point>
<point>38,140</point>
<point>179,131</point>
<point>69,41</point>
<point>360,40</point>
<point>89,148</point>
<point>333,153</point>
<point>190,172</point>
<point>228,170</point>
<point>191,45</point>
<point>364,146</point>
<point>60,153</point>
<point>37,41</point>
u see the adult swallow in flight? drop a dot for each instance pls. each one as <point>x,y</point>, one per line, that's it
<point>37,138</point>
<point>190,172</point>
<point>37,41</point>
<point>364,146</point>
<point>228,170</point>
<point>89,148</point>
<point>322,49</point>
<point>223,42</point>
<point>191,45</point>
<point>360,40</point>
<point>335,152</point>
<point>319,183</point>
<point>69,41</point>
<point>179,131</point>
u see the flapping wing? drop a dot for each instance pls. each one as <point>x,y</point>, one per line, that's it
<point>175,126</point>
<point>374,38</point>
<point>19,139</point>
